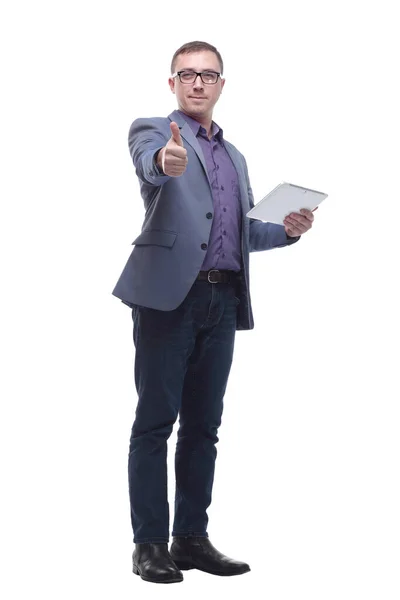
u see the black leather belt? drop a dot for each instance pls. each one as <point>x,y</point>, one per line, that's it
<point>219,276</point>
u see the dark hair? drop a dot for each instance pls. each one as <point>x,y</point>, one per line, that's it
<point>196,47</point>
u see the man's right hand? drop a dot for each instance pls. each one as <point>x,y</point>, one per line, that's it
<point>173,157</point>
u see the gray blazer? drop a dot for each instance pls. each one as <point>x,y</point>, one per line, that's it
<point>168,254</point>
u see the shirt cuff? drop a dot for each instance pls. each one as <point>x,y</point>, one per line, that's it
<point>291,239</point>
<point>155,165</point>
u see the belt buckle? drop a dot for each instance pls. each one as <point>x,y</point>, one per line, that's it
<point>208,275</point>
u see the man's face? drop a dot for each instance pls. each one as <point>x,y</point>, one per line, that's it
<point>186,93</point>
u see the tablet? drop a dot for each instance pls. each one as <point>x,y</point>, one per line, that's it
<point>284,199</point>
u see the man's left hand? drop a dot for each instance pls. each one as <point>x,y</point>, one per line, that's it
<point>298,223</point>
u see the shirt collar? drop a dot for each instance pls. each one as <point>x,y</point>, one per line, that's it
<point>195,126</point>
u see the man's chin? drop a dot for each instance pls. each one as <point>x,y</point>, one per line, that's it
<point>196,108</point>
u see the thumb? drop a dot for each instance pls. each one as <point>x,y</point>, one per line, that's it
<point>176,136</point>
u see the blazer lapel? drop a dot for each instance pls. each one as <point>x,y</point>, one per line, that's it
<point>235,157</point>
<point>191,139</point>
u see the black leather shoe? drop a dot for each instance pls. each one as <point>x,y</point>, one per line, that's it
<point>154,563</point>
<point>199,553</point>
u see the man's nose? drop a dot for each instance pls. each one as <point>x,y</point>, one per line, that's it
<point>198,82</point>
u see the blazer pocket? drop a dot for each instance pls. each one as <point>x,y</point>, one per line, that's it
<point>156,237</point>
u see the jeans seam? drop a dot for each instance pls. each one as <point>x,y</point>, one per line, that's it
<point>190,534</point>
<point>152,540</point>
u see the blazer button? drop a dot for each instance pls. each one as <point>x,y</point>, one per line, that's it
<point>209,215</point>
<point>204,246</point>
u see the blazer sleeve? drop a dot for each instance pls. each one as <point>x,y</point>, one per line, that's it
<point>145,140</point>
<point>265,236</point>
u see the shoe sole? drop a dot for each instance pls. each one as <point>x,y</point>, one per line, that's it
<point>176,579</point>
<point>185,566</point>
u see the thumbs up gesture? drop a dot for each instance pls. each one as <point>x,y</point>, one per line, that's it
<point>173,157</point>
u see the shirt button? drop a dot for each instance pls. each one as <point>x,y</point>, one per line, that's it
<point>209,215</point>
<point>224,209</point>
<point>204,246</point>
<point>224,232</point>
<point>222,188</point>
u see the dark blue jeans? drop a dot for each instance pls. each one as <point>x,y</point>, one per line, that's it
<point>182,363</point>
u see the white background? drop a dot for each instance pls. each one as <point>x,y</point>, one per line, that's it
<point>307,478</point>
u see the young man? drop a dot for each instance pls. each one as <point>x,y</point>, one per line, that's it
<point>188,284</point>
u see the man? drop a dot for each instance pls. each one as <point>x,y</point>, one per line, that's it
<point>188,284</point>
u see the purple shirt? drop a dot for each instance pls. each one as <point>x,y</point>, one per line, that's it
<point>224,247</point>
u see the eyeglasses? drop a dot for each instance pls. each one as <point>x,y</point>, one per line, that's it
<point>207,77</point>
